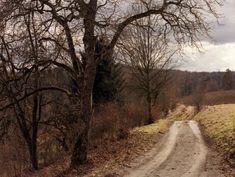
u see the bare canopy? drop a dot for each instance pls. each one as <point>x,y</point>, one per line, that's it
<point>68,30</point>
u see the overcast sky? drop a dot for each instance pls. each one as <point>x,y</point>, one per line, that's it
<point>219,54</point>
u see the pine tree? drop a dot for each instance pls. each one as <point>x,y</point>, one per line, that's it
<point>227,80</point>
<point>109,80</point>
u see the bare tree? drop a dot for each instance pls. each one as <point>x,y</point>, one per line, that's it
<point>20,78</point>
<point>15,83</point>
<point>74,25</point>
<point>150,58</point>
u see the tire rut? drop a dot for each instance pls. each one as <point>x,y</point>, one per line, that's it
<point>183,153</point>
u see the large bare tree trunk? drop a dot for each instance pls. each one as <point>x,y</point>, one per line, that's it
<point>79,155</point>
<point>32,147</point>
<point>31,140</point>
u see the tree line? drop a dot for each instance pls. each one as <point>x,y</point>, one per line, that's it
<point>80,38</point>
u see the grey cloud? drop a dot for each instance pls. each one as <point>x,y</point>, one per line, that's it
<point>225,32</point>
<point>215,58</point>
<point>220,52</point>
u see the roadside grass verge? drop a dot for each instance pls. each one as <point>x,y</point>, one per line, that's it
<point>111,154</point>
<point>219,125</point>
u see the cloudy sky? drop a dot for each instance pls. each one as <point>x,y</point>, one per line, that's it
<point>219,54</point>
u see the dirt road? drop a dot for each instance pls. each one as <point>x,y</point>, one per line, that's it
<point>181,153</point>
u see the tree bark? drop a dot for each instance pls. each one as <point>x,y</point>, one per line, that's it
<point>33,154</point>
<point>149,105</point>
<point>35,118</point>
<point>79,155</point>
<point>31,141</point>
<point>32,148</point>
<point>149,96</point>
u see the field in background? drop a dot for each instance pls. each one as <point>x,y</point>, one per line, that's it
<point>212,98</point>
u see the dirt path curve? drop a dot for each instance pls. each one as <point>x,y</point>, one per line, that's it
<point>181,153</point>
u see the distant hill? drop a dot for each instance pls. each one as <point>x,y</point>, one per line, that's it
<point>186,83</point>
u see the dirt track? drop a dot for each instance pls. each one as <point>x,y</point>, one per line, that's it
<point>181,153</point>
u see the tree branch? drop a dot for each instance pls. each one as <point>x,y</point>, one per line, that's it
<point>129,20</point>
<point>34,92</point>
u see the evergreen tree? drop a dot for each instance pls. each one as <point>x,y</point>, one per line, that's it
<point>109,80</point>
<point>227,80</point>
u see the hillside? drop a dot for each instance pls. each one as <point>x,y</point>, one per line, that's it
<point>185,83</point>
<point>218,123</point>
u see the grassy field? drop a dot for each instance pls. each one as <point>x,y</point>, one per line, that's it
<point>213,98</point>
<point>219,124</point>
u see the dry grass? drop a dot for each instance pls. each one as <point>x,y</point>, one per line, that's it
<point>219,124</point>
<point>182,112</point>
<point>110,155</point>
<point>13,157</point>
<point>220,97</point>
<point>113,142</point>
